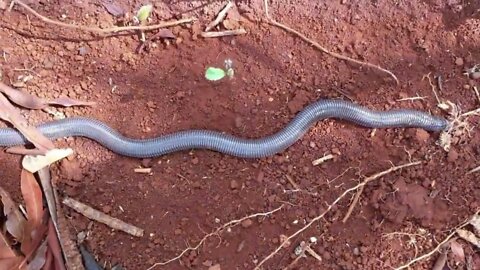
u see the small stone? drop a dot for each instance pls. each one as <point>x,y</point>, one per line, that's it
<point>146,162</point>
<point>475,75</point>
<point>234,184</point>
<point>195,161</point>
<point>215,267</point>
<point>452,155</point>
<point>247,223</point>
<point>70,46</point>
<point>106,209</point>
<point>177,231</point>
<point>459,61</point>
<point>238,122</point>
<point>207,263</point>
<point>356,251</point>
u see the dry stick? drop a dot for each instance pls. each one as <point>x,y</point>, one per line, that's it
<point>289,238</point>
<point>368,179</point>
<point>433,87</point>
<point>424,256</point>
<point>101,217</point>
<point>215,232</point>
<point>221,15</point>
<point>225,33</point>
<point>100,30</point>
<point>476,93</point>
<point>323,49</point>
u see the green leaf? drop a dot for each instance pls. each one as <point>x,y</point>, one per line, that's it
<point>214,74</point>
<point>144,12</point>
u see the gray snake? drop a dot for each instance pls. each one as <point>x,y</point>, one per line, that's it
<point>228,144</point>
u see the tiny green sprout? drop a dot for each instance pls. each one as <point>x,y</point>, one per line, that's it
<point>214,74</point>
<point>144,12</point>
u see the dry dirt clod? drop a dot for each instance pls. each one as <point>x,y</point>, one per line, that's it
<point>234,184</point>
<point>247,223</point>
<point>421,135</point>
<point>452,155</point>
<point>215,267</point>
<point>459,61</point>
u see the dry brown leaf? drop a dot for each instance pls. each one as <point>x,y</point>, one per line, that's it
<point>54,247</point>
<point>12,115</point>
<point>33,197</point>
<point>469,236</point>
<point>15,220</point>
<point>440,262</point>
<point>113,8</point>
<point>11,263</point>
<point>29,101</point>
<point>31,245</point>
<point>457,251</point>
<point>22,98</point>
<point>20,150</point>
<point>38,261</point>
<point>68,102</point>
<point>6,250</point>
<point>49,260</point>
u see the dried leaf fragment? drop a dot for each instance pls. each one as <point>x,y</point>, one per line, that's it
<point>11,114</point>
<point>6,250</point>
<point>32,195</point>
<point>113,8</point>
<point>35,163</point>
<point>15,220</point>
<point>469,236</point>
<point>457,251</point>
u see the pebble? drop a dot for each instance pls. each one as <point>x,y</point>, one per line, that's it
<point>238,122</point>
<point>195,161</point>
<point>459,61</point>
<point>247,223</point>
<point>177,231</point>
<point>106,209</point>
<point>452,155</point>
<point>260,176</point>
<point>234,184</point>
<point>475,75</point>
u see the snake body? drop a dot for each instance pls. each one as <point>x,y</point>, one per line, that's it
<point>228,144</point>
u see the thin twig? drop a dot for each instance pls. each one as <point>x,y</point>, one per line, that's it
<point>370,178</point>
<point>474,170</point>
<point>323,49</point>
<point>476,93</point>
<point>221,15</point>
<point>215,232</point>
<point>317,218</point>
<point>96,215</point>
<point>432,86</point>
<point>106,30</point>
<point>439,246</point>
<point>225,33</point>
<point>322,159</point>
<point>411,98</point>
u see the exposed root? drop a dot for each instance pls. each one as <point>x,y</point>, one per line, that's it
<point>323,49</point>
<point>437,248</point>
<point>288,239</point>
<point>215,232</point>
<point>370,178</point>
<point>101,30</point>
